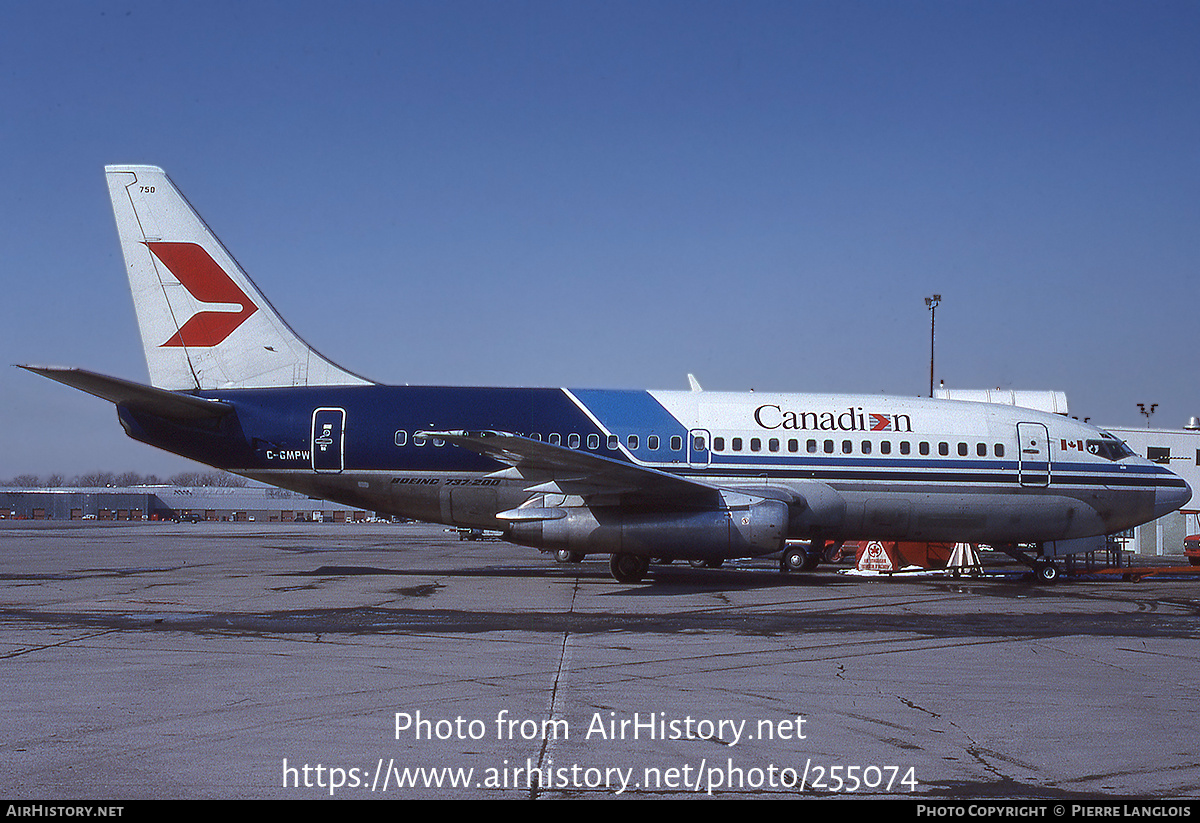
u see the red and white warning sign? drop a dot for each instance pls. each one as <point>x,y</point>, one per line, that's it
<point>876,557</point>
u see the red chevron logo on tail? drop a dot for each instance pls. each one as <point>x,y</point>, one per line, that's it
<point>208,283</point>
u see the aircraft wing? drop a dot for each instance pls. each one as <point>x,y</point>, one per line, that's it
<point>554,469</point>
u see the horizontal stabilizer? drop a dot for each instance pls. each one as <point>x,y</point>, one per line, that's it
<point>135,396</point>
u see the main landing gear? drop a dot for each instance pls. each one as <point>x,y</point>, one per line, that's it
<point>628,568</point>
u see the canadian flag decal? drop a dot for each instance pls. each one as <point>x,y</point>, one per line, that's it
<point>208,283</point>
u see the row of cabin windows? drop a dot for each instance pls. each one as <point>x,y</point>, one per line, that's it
<point>653,442</point>
<point>737,444</point>
<point>774,445</point>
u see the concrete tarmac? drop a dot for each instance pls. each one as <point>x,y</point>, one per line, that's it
<point>223,660</point>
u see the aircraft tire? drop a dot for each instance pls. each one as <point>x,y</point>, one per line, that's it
<point>565,556</point>
<point>628,568</point>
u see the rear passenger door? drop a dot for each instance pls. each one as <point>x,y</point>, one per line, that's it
<point>328,440</point>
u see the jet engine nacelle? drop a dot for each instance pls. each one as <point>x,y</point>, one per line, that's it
<point>743,531</point>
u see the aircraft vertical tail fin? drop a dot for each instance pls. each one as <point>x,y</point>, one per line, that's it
<point>204,323</point>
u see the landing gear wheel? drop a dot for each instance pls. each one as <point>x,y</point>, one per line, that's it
<point>1046,572</point>
<point>564,556</point>
<point>628,568</point>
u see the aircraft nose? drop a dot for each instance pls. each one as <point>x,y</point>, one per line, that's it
<point>1169,498</point>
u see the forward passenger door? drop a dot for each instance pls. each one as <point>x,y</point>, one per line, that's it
<point>1033,455</point>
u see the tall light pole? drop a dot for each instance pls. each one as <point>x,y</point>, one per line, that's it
<point>932,303</point>
<point>1148,413</point>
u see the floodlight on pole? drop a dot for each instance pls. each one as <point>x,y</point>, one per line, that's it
<point>1147,412</point>
<point>932,303</point>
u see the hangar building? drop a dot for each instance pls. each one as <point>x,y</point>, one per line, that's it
<point>215,503</point>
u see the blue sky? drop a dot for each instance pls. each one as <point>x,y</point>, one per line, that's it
<point>612,194</point>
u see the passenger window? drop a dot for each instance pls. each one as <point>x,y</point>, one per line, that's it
<point>812,447</point>
<point>847,447</point>
<point>676,442</point>
<point>593,441</point>
<point>981,449</point>
<point>923,448</point>
<point>829,447</point>
<point>962,449</point>
<point>573,441</point>
<point>697,443</point>
<point>999,450</point>
<point>866,447</point>
<point>652,442</point>
<point>401,438</point>
<point>905,448</point>
<point>773,444</point>
<point>885,447</point>
<point>943,449</point>
<point>737,444</point>
<point>418,440</point>
<point>793,445</point>
<point>555,439</point>
<point>613,442</point>
<point>632,440</point>
<point>755,444</point>
<point>719,444</point>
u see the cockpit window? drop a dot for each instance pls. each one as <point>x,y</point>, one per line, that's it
<point>1110,448</point>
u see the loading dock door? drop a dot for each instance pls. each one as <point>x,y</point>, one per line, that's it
<point>328,440</point>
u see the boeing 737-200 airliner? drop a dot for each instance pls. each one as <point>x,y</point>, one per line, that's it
<point>635,475</point>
